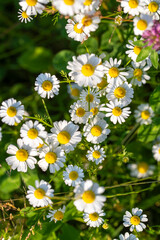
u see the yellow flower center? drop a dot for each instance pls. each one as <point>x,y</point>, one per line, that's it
<point>93,216</point>
<point>40,145</point>
<point>39,193</point>
<point>87,2</point>
<point>63,137</point>
<point>11,111</point>
<point>96,154</point>
<point>135,220</point>
<point>94,111</point>
<point>86,21</point>
<point>75,92</point>
<point>142,167</point>
<point>138,74</point>
<point>31,2</point>
<point>50,157</point>
<point>88,196</point>
<point>153,7</point>
<point>142,25</point>
<point>47,86</point>
<point>113,72</point>
<point>24,14</point>
<point>137,50</point>
<point>133,3</point>
<point>102,84</point>
<point>80,112</point>
<point>96,131</point>
<point>145,114</point>
<point>22,155</point>
<point>69,2</point>
<point>32,133</point>
<point>87,70</point>
<point>78,30</point>
<point>159,150</point>
<point>117,111</point>
<point>73,175</point>
<point>120,92</point>
<point>58,215</point>
<point>89,98</point>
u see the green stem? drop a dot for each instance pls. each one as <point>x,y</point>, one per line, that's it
<point>128,193</point>
<point>45,107</point>
<point>40,120</point>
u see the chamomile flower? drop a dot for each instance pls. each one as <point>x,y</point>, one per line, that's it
<point>92,97</point>
<point>86,70</point>
<point>102,86</point>
<point>114,73</point>
<point>133,7</point>
<point>51,157</point>
<point>122,92</point>
<point>90,6</point>
<point>88,197</point>
<point>74,90</point>
<point>79,112</point>
<point>11,111</point>
<point>66,135</point>
<point>40,196</point>
<point>56,215</point>
<point>134,50</point>
<point>118,20</point>
<point>117,112</point>
<point>32,7</point>
<point>96,110</point>
<point>96,154</point>
<point>142,23</point>
<point>68,7</point>
<point>47,85</point>
<point>127,236</point>
<point>135,220</point>
<point>22,157</point>
<point>23,17</point>
<point>33,133</point>
<point>0,133</point>
<point>141,169</point>
<point>96,131</point>
<point>94,219</point>
<point>152,8</point>
<point>156,152</point>
<point>73,175</point>
<point>144,114</point>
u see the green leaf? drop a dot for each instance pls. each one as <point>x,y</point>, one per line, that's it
<point>69,232</point>
<point>148,133</point>
<point>61,59</point>
<point>154,100</point>
<point>154,58</point>
<point>143,54</point>
<point>139,43</point>
<point>9,183</point>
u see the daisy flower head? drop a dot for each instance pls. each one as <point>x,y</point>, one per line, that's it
<point>152,8</point>
<point>68,7</point>
<point>21,157</point>
<point>134,50</point>
<point>56,215</point>
<point>92,97</point>
<point>114,72</point>
<point>144,114</point>
<point>86,70</point>
<point>156,152</point>
<point>133,7</point>
<point>127,236</point>
<point>94,219</point>
<point>40,195</point>
<point>47,85</point>
<point>73,175</point>
<point>74,90</point>
<point>23,17</point>
<point>142,23</point>
<point>90,6</point>
<point>122,92</point>
<point>33,7</point>
<point>96,154</point>
<point>135,220</point>
<point>141,169</point>
<point>96,131</point>
<point>11,111</point>
<point>117,112</point>
<point>88,197</point>
<point>96,110</point>
<point>66,135</point>
<point>102,86</point>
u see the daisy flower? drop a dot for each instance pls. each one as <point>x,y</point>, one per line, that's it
<point>32,7</point>
<point>66,135</point>
<point>40,196</point>
<point>117,112</point>
<point>92,97</point>
<point>22,157</point>
<point>96,154</point>
<point>114,73</point>
<point>0,133</point>
<point>86,70</point>
<point>88,197</point>
<point>134,50</point>
<point>23,17</point>
<point>102,86</point>
<point>152,8</point>
<point>79,112</point>
<point>90,6</point>
<point>51,157</point>
<point>11,111</point>
<point>127,236</point>
<point>96,110</point>
<point>133,7</point>
<point>68,7</point>
<point>74,90</point>
<point>56,215</point>
<point>156,152</point>
<point>122,92</point>
<point>144,114</point>
<point>135,220</point>
<point>94,219</point>
<point>96,131</point>
<point>141,170</point>
<point>118,20</point>
<point>73,175</point>
<point>142,23</point>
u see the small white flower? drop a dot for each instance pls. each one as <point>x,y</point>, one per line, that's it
<point>141,170</point>
<point>133,7</point>
<point>152,8</point>
<point>79,112</point>
<point>102,86</point>
<point>142,23</point>
<point>88,197</point>
<point>135,220</point>
<point>23,17</point>
<point>40,196</point>
<point>73,175</point>
<point>94,219</point>
<point>96,110</point>
<point>11,111</point>
<point>127,236</point>
<point>156,152</point>
<point>92,97</point>
<point>56,215</point>
<point>144,114</point>
<point>96,154</point>
<point>68,7</point>
<point>74,90</point>
<point>90,6</point>
<point>32,7</point>
<point>118,20</point>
